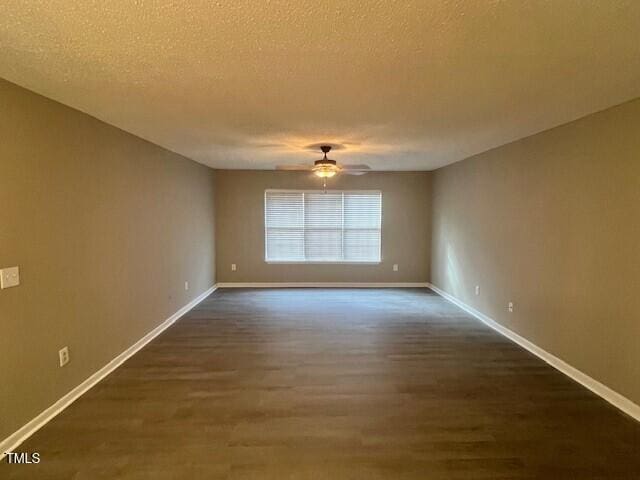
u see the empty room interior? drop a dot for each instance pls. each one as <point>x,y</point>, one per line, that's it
<point>320,240</point>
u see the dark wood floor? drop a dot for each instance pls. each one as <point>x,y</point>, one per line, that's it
<point>334,384</point>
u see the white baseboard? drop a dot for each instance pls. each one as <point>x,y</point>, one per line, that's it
<point>14,440</point>
<point>611,396</point>
<point>323,285</point>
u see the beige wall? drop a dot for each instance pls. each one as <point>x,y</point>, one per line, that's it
<point>240,227</point>
<point>552,223</point>
<point>106,228</point>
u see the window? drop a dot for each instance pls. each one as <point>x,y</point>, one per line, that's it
<point>314,226</point>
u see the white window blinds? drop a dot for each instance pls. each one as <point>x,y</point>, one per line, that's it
<point>313,226</point>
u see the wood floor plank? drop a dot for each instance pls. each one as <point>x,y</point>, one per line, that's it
<point>334,384</point>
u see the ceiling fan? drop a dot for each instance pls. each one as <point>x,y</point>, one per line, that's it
<point>327,168</point>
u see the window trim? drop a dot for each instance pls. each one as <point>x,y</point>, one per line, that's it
<point>316,262</point>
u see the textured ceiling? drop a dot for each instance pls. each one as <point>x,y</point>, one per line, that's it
<point>403,85</point>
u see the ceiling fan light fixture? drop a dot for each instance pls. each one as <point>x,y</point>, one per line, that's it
<point>325,171</point>
<point>325,168</point>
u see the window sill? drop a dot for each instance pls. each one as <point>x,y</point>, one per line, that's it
<point>298,262</point>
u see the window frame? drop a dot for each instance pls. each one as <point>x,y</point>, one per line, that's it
<point>319,262</point>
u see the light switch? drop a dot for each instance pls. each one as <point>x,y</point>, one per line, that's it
<point>9,277</point>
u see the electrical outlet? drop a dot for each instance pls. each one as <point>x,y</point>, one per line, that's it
<point>63,356</point>
<point>186,285</point>
<point>233,267</point>
<point>9,277</point>
<point>395,267</point>
<point>510,307</point>
<point>477,289</point>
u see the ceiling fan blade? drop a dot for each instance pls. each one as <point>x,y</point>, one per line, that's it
<point>355,167</point>
<point>295,168</point>
<point>355,172</point>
